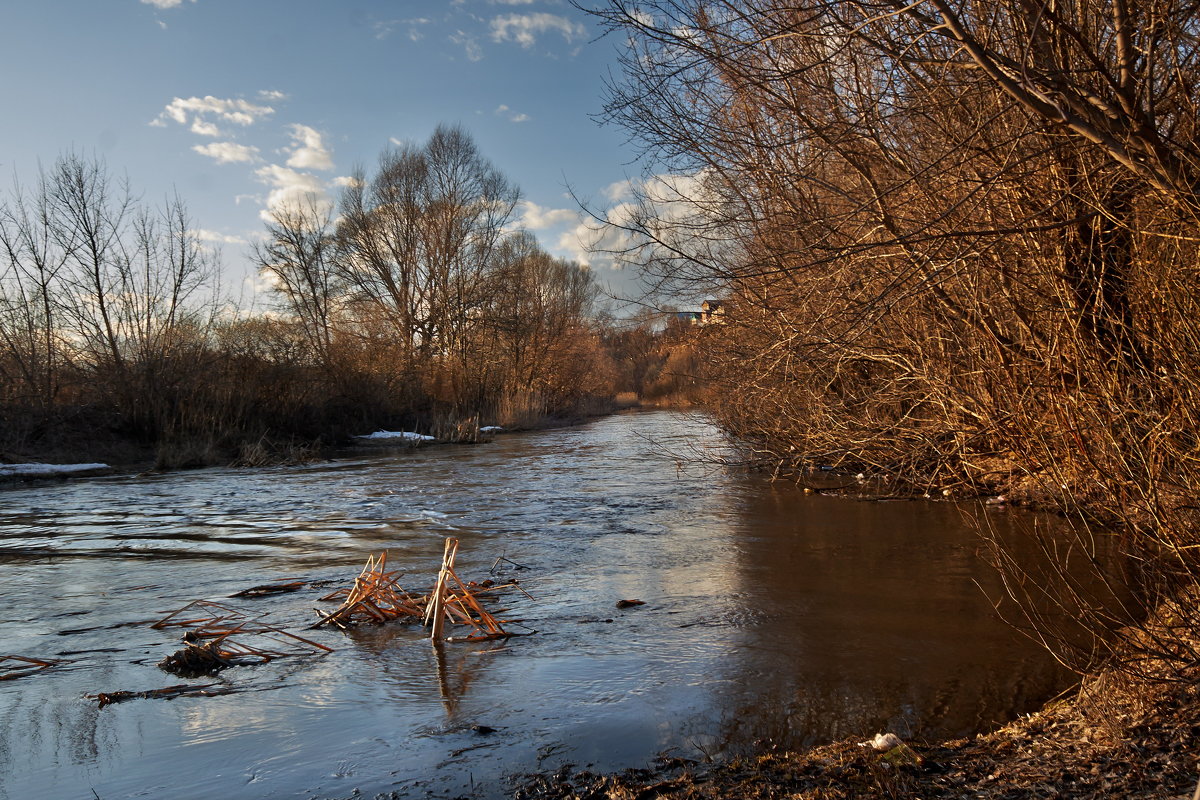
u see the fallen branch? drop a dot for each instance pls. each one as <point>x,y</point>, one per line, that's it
<point>205,613</point>
<point>165,693</point>
<point>23,665</point>
<point>267,589</point>
<point>200,657</point>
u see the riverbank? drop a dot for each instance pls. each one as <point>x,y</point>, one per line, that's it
<point>124,455</point>
<point>1114,737</point>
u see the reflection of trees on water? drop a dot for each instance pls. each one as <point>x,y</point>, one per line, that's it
<point>869,616</point>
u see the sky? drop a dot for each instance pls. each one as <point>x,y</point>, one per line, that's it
<point>238,104</point>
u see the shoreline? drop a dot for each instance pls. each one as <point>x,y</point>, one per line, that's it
<point>1106,740</point>
<point>1129,729</point>
<point>124,457</point>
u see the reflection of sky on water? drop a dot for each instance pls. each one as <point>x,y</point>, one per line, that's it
<point>768,614</point>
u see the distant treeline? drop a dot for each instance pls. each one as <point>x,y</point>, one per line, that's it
<point>413,302</point>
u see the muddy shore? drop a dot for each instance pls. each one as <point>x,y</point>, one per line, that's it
<point>1115,737</point>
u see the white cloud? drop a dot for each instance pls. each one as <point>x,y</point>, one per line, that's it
<point>669,206</point>
<point>260,284</point>
<point>525,28</point>
<point>228,152</point>
<point>469,44</point>
<point>536,218</point>
<point>202,128</point>
<point>510,115</point>
<point>600,242</point>
<point>384,28</point>
<point>271,95</point>
<point>643,18</point>
<point>619,191</point>
<point>164,3</point>
<point>235,110</point>
<point>219,238</point>
<point>309,151</point>
<point>342,181</point>
<point>291,190</point>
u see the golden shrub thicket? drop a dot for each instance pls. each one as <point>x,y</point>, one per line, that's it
<point>958,242</point>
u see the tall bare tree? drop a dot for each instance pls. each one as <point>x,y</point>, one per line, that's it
<point>298,257</point>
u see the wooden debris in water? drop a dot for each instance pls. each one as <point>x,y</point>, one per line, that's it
<point>12,667</point>
<point>376,596</point>
<point>458,605</point>
<point>209,652</point>
<point>263,590</point>
<point>202,613</point>
<point>165,693</point>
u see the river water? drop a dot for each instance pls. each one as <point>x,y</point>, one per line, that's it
<point>769,616</point>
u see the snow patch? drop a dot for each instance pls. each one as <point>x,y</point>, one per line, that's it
<point>407,436</point>
<point>46,470</point>
<point>491,429</point>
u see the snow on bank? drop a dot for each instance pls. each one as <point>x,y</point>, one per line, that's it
<point>406,436</point>
<point>48,470</point>
<point>491,429</point>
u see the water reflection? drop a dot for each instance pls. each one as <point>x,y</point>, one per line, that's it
<point>769,615</point>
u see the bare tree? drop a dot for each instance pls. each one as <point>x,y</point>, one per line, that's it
<point>298,257</point>
<point>29,305</point>
<point>416,239</point>
<point>104,287</point>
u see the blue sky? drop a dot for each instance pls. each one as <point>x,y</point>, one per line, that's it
<point>237,103</point>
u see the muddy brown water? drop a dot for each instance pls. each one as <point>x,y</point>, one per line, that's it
<point>769,616</point>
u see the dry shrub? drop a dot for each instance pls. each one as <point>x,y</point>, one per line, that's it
<point>957,246</point>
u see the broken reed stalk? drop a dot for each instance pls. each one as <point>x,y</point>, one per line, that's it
<point>215,613</point>
<point>458,605</point>
<point>201,657</point>
<point>487,624</point>
<point>434,611</point>
<point>24,666</point>
<point>375,597</point>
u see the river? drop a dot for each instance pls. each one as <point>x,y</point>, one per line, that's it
<point>769,616</point>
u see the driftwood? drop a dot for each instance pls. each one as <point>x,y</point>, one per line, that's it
<point>12,667</point>
<point>165,693</point>
<point>199,613</point>
<point>266,589</point>
<point>208,652</point>
<point>376,596</point>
